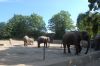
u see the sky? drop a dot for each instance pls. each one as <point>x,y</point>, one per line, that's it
<point>44,8</point>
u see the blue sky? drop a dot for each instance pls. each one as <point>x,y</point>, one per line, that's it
<point>45,8</point>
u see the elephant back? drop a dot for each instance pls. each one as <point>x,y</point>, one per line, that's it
<point>31,39</point>
<point>71,37</point>
<point>26,38</point>
<point>42,39</point>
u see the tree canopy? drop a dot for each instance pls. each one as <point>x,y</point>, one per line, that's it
<point>90,24</point>
<point>90,20</point>
<point>20,25</point>
<point>59,23</point>
<point>94,4</point>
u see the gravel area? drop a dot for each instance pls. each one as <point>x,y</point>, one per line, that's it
<point>15,53</point>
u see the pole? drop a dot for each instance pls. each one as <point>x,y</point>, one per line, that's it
<point>44,52</point>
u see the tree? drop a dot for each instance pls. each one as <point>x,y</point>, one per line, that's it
<point>2,30</point>
<point>84,24</point>
<point>91,20</point>
<point>15,26</point>
<point>94,4</point>
<point>59,23</point>
<point>37,25</point>
<point>90,24</point>
<point>95,23</point>
<point>81,21</point>
<point>32,25</point>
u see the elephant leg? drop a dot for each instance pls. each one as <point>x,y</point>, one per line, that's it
<point>25,43</point>
<point>87,50</point>
<point>68,46</point>
<point>87,47</point>
<point>64,45</point>
<point>46,44</point>
<point>77,49</point>
<point>38,45</point>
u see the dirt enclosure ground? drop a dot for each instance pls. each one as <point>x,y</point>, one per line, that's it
<point>15,53</point>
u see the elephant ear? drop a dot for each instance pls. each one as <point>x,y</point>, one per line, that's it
<point>84,35</point>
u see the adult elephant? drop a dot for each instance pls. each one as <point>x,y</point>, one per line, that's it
<point>28,41</point>
<point>74,38</point>
<point>43,39</point>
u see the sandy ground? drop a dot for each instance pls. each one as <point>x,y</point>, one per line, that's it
<point>15,54</point>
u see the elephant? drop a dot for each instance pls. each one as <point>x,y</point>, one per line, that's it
<point>74,38</point>
<point>43,39</point>
<point>28,41</point>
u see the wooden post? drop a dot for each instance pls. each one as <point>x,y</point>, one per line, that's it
<point>44,52</point>
<point>10,41</point>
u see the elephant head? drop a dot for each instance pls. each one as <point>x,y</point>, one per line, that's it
<point>74,38</point>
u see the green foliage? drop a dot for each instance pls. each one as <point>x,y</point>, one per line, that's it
<point>14,26</point>
<point>91,1</point>
<point>96,23</point>
<point>37,25</point>
<point>59,23</point>
<point>2,30</point>
<point>38,22</point>
<point>20,25</point>
<point>94,4</point>
<point>89,22</point>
